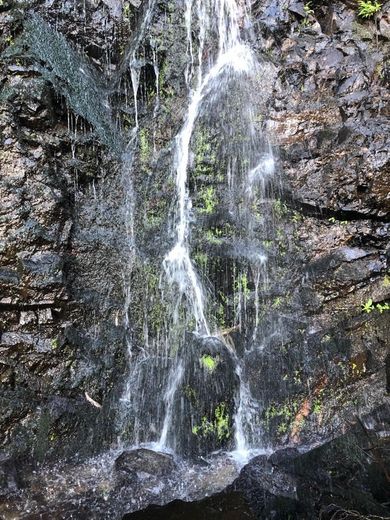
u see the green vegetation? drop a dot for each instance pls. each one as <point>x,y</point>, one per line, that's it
<point>220,311</point>
<point>333,220</point>
<point>219,426</point>
<point>241,285</point>
<point>214,236</point>
<point>222,422</point>
<point>382,308</point>
<point>190,393</point>
<point>126,10</point>
<point>296,217</point>
<point>278,301</point>
<point>369,306</point>
<point>205,158</point>
<point>201,260</point>
<point>307,8</point>
<point>317,406</point>
<point>367,9</point>
<point>209,362</point>
<point>54,343</point>
<point>280,208</point>
<point>209,201</point>
<point>284,413</point>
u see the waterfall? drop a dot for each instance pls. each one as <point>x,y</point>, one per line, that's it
<point>233,58</point>
<point>220,74</point>
<point>220,23</point>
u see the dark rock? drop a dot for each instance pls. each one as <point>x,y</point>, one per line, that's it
<point>226,506</point>
<point>334,477</point>
<point>147,461</point>
<point>283,457</point>
<point>9,478</point>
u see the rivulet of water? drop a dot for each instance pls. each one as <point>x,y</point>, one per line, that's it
<point>220,75</point>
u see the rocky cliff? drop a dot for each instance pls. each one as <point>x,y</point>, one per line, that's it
<point>85,205</point>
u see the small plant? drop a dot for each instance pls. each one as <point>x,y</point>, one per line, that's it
<point>278,301</point>
<point>368,306</point>
<point>222,422</point>
<point>201,259</point>
<point>218,427</point>
<point>382,308</point>
<point>209,362</point>
<point>126,10</point>
<point>307,8</point>
<point>367,9</point>
<point>214,236</point>
<point>267,244</point>
<point>209,201</point>
<point>317,407</point>
<point>280,208</point>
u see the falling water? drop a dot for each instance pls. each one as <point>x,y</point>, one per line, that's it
<point>219,62</point>
<point>233,58</point>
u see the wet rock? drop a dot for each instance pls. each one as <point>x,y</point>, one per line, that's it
<point>384,27</point>
<point>9,478</point>
<point>145,461</point>
<point>226,506</point>
<point>305,484</point>
<point>283,456</point>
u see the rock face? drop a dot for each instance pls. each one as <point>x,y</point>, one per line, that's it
<point>85,208</point>
<point>336,480</point>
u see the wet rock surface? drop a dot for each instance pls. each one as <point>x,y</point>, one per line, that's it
<point>344,477</point>
<point>144,460</point>
<point>64,244</point>
<point>230,506</point>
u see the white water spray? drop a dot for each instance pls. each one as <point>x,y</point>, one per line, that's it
<point>233,58</point>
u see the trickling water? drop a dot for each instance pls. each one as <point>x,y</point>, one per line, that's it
<point>234,58</point>
<point>219,69</point>
<point>234,61</point>
<point>175,378</point>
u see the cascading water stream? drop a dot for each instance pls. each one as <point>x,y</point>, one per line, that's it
<point>220,64</point>
<point>234,59</point>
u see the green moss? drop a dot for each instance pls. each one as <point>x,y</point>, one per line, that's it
<point>284,413</point>
<point>280,208</point>
<point>267,244</point>
<point>277,303</point>
<point>209,362</point>
<point>201,260</point>
<point>208,200</point>
<point>214,236</point>
<point>191,395</point>
<point>317,406</point>
<point>126,12</point>
<point>241,284</point>
<point>219,426</point>
<point>205,159</point>
<point>222,422</point>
